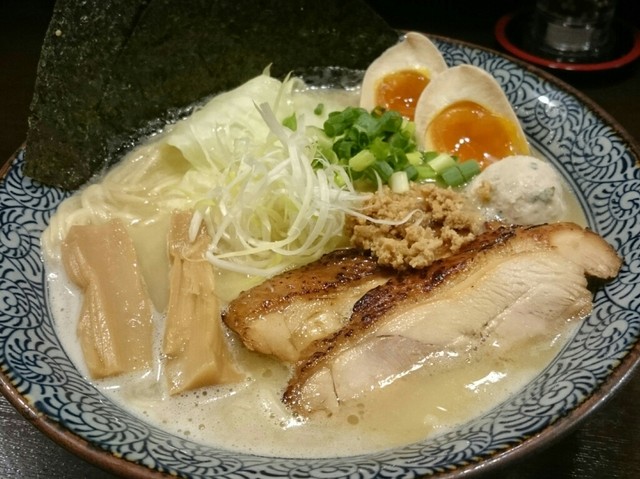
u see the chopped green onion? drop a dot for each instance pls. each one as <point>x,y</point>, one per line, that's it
<point>399,182</point>
<point>362,160</point>
<point>380,149</point>
<point>427,156</point>
<point>339,180</point>
<point>390,122</point>
<point>345,148</point>
<point>376,145</point>
<point>452,176</point>
<point>442,162</point>
<point>291,122</point>
<point>425,172</point>
<point>469,169</point>
<point>412,172</point>
<point>414,158</point>
<point>368,127</point>
<point>409,127</point>
<point>319,109</point>
<point>384,169</point>
<point>339,121</point>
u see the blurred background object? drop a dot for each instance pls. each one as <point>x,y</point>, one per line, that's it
<point>572,30</point>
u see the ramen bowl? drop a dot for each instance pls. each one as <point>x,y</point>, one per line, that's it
<point>596,158</point>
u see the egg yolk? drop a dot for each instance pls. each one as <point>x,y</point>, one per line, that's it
<point>470,131</point>
<point>400,91</point>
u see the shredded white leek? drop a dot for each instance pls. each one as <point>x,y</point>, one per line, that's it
<point>275,211</point>
<point>399,182</point>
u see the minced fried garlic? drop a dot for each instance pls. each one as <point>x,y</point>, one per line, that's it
<point>439,222</point>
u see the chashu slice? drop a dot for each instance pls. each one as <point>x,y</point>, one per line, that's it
<point>286,313</point>
<point>505,288</point>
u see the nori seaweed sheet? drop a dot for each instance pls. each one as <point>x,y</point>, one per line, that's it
<point>113,71</point>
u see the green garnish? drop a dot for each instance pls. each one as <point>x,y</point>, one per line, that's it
<point>442,162</point>
<point>373,146</point>
<point>469,169</point>
<point>459,173</point>
<point>291,122</point>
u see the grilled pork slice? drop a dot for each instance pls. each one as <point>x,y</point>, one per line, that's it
<point>504,289</point>
<point>286,313</point>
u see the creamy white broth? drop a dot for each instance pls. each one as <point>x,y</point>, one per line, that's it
<point>250,416</point>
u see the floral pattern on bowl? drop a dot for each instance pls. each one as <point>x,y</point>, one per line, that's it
<point>593,155</point>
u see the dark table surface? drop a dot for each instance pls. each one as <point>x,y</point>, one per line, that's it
<point>605,445</point>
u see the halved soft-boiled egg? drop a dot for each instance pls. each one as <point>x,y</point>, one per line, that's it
<point>465,112</point>
<point>395,80</point>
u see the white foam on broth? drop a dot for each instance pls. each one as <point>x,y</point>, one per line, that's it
<point>250,418</point>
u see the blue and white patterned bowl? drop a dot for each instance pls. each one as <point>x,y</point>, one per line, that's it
<point>596,157</point>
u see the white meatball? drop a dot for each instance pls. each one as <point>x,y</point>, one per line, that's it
<point>520,190</point>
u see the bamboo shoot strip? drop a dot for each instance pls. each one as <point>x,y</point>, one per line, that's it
<point>115,324</point>
<point>195,347</point>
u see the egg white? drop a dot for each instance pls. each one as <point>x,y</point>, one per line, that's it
<point>458,84</point>
<point>414,52</point>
